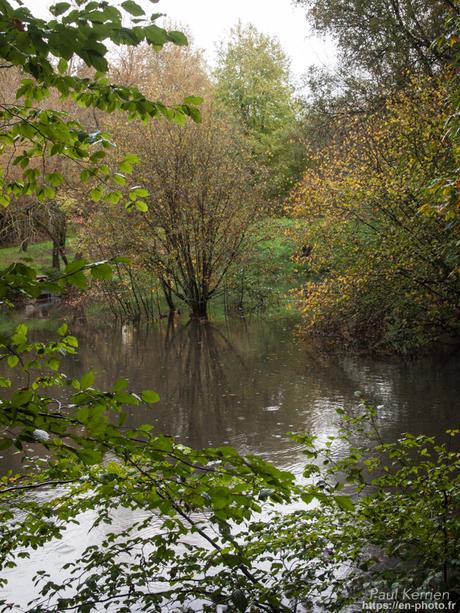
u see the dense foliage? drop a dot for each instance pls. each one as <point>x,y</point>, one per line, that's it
<point>384,40</point>
<point>254,84</point>
<point>383,272</point>
<point>382,517</point>
<point>385,513</point>
<point>379,232</point>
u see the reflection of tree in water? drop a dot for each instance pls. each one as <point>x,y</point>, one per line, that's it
<point>192,366</point>
<point>248,383</point>
<point>196,378</point>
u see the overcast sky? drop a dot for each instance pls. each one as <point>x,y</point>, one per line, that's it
<point>209,21</point>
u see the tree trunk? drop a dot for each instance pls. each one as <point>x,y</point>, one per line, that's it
<point>56,257</point>
<point>62,237</point>
<point>58,231</point>
<point>168,296</point>
<point>199,309</point>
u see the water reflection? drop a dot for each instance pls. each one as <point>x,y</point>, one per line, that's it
<point>246,384</point>
<point>249,383</point>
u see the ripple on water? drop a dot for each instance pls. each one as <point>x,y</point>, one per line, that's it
<point>272,408</point>
<point>223,390</point>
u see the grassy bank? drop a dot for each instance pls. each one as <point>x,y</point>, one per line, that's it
<point>267,273</point>
<point>39,254</point>
<point>260,284</point>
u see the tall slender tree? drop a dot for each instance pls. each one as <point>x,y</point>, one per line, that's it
<point>253,82</point>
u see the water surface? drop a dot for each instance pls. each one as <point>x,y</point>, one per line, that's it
<point>246,384</point>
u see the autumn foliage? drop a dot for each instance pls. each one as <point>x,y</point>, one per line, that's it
<point>203,190</point>
<point>382,265</point>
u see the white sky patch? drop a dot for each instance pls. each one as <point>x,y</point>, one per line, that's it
<point>210,21</point>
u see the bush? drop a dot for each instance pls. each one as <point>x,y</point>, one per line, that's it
<point>382,519</point>
<point>383,273</point>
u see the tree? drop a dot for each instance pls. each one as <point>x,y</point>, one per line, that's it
<point>381,45</point>
<point>253,82</point>
<point>384,39</point>
<point>381,272</point>
<point>27,217</point>
<point>205,190</point>
<point>446,188</point>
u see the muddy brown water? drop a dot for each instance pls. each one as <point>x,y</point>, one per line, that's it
<point>245,384</point>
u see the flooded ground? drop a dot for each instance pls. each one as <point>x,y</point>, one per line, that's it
<point>246,384</point>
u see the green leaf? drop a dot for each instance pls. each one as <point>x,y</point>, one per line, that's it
<point>78,279</point>
<point>179,117</point>
<point>87,380</point>
<point>345,502</point>
<point>95,59</point>
<point>307,498</point>
<point>54,364</point>
<point>62,330</point>
<point>194,113</point>
<point>133,8</point>
<point>150,396</point>
<point>55,178</point>
<point>97,156</point>
<point>121,385</point>
<point>20,335</point>
<point>96,193</point>
<point>62,65</point>
<point>113,197</point>
<point>12,361</point>
<point>119,178</point>
<point>22,398</point>
<point>132,158</point>
<point>76,265</point>
<point>239,600</point>
<point>155,35</point>
<point>71,341</point>
<point>193,100</point>
<point>59,8</point>
<point>102,271</point>
<point>141,206</point>
<point>4,200</point>
<point>139,191</point>
<point>178,38</point>
<point>125,398</point>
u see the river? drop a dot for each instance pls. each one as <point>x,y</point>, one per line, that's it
<point>247,384</point>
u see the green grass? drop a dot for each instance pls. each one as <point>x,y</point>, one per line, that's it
<point>277,248</point>
<point>269,271</point>
<point>38,255</point>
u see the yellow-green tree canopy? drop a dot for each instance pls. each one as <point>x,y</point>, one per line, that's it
<point>382,270</point>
